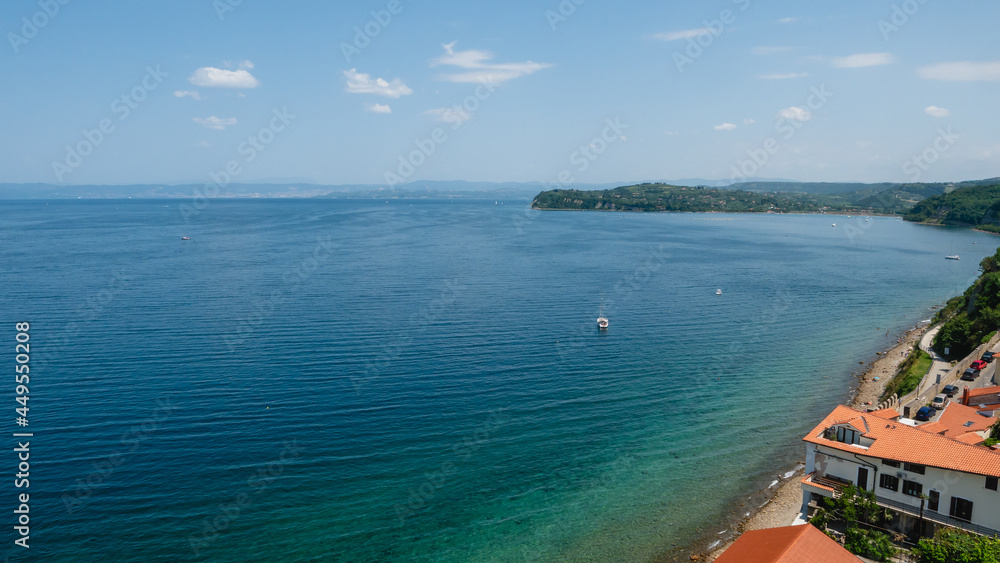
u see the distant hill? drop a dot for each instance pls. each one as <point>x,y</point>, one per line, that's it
<point>749,197</point>
<point>972,204</point>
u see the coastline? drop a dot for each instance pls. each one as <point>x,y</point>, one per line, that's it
<point>783,502</point>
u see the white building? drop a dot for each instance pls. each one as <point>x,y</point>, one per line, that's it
<point>901,464</point>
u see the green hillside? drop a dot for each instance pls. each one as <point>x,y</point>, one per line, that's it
<point>970,206</point>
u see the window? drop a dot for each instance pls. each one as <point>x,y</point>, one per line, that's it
<point>991,483</point>
<point>890,482</point>
<point>933,500</point>
<point>912,488</point>
<point>961,509</point>
<point>890,463</point>
<point>848,435</point>
<point>914,467</point>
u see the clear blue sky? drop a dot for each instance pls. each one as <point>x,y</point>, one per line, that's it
<point>556,82</point>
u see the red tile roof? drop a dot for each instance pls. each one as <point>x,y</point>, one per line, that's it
<point>790,544</point>
<point>889,413</point>
<point>892,440</point>
<point>956,416</point>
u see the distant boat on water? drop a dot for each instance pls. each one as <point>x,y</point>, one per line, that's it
<point>952,257</point>
<point>185,238</point>
<point>602,322</point>
<point>718,292</point>
<point>834,224</point>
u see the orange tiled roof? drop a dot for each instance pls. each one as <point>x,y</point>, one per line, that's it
<point>887,413</point>
<point>970,438</point>
<point>959,419</point>
<point>934,428</point>
<point>900,442</point>
<point>789,544</point>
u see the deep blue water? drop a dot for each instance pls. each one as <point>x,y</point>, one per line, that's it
<point>424,381</point>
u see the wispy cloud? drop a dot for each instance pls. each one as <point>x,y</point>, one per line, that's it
<point>963,71</point>
<point>187,94</point>
<point>216,123</point>
<point>361,83</point>
<point>749,121</point>
<point>795,113</point>
<point>725,127</point>
<point>787,20</point>
<point>211,77</point>
<point>479,69</point>
<point>378,108</point>
<point>863,59</point>
<point>935,111</point>
<point>769,50</point>
<point>684,34</point>
<point>782,76</point>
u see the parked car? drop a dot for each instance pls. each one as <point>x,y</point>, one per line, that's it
<point>970,374</point>
<point>950,390</point>
<point>987,357</point>
<point>978,364</point>
<point>925,413</point>
<point>939,401</point>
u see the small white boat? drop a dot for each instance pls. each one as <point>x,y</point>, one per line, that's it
<point>185,238</point>
<point>952,257</point>
<point>834,224</point>
<point>602,321</point>
<point>718,292</point>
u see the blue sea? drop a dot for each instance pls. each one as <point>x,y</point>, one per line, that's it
<point>423,380</point>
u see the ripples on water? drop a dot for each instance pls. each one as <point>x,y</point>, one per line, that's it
<point>437,367</point>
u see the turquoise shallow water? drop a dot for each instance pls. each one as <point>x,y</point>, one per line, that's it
<point>423,380</point>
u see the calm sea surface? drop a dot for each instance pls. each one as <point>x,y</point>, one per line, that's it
<point>424,381</point>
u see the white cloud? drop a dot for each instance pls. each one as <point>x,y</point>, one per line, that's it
<point>671,133</point>
<point>935,111</point>
<point>454,114</point>
<point>378,108</point>
<point>796,113</point>
<point>684,34</point>
<point>187,94</point>
<point>479,69</point>
<point>211,77</point>
<point>863,59</point>
<point>787,20</point>
<point>216,123</point>
<point>964,71</point>
<point>769,50</point>
<point>782,76</point>
<point>203,144</point>
<point>361,83</point>
<point>725,127</point>
<point>748,121</point>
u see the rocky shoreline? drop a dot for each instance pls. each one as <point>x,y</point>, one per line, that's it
<point>785,500</point>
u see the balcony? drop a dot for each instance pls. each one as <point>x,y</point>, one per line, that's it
<point>825,485</point>
<point>936,517</point>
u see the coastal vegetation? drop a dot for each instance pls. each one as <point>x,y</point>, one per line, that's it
<point>750,197</point>
<point>971,318</point>
<point>911,371</point>
<point>976,205</point>
<point>956,546</point>
<point>862,518</point>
